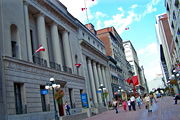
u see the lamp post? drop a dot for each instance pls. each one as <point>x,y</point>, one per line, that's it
<point>102,88</point>
<point>52,86</point>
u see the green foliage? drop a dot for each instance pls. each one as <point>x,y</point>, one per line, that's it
<point>59,94</point>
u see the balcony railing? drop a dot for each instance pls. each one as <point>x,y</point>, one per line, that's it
<point>40,61</point>
<point>55,66</point>
<point>67,69</point>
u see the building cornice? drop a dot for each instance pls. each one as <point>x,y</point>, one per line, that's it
<point>93,49</point>
<point>32,65</point>
<point>52,11</point>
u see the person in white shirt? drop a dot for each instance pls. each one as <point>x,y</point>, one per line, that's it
<point>129,104</point>
<point>133,102</point>
<point>147,102</point>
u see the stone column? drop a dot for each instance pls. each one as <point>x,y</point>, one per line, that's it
<point>107,75</point>
<point>104,77</point>
<point>28,38</point>
<point>97,81</point>
<point>105,81</point>
<point>41,30</point>
<point>56,44</point>
<point>67,51</point>
<point>91,77</point>
<point>100,74</point>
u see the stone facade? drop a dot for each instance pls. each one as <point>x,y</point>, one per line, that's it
<point>23,73</point>
<point>117,61</point>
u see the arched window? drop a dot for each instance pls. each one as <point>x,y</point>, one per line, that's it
<point>14,41</point>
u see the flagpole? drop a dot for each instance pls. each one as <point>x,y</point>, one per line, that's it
<point>86,11</point>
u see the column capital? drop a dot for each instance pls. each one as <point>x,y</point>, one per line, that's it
<point>94,62</point>
<point>25,3</point>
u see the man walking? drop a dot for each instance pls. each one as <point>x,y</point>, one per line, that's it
<point>133,102</point>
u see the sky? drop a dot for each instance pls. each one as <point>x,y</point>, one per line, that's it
<point>137,15</point>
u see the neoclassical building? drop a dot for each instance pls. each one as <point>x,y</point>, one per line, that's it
<point>24,25</point>
<point>95,65</point>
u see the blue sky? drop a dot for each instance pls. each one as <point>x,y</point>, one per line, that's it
<point>138,15</point>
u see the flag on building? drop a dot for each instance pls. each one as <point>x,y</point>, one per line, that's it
<point>77,65</point>
<point>129,80</point>
<point>135,80</point>
<point>127,28</point>
<point>83,9</point>
<point>41,48</point>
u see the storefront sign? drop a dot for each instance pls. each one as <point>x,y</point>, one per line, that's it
<point>84,100</point>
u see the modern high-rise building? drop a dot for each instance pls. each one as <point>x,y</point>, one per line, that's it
<point>166,45</point>
<point>173,12</point>
<point>132,58</point>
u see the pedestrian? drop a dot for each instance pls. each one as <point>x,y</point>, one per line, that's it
<point>176,98</point>
<point>67,108</point>
<point>124,103</point>
<point>129,104</point>
<point>152,98</point>
<point>147,102</point>
<point>139,102</point>
<point>133,104</point>
<point>115,105</point>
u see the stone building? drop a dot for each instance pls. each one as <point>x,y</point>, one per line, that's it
<point>24,25</point>
<point>95,66</point>
<point>117,61</point>
<point>132,58</point>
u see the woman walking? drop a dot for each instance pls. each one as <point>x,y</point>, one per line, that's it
<point>147,102</point>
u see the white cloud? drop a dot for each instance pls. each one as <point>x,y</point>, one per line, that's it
<point>150,7</point>
<point>150,60</point>
<point>100,14</point>
<point>120,21</point>
<point>150,49</point>
<point>134,6</point>
<point>74,7</point>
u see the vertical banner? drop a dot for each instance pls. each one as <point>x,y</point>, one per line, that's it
<point>84,100</point>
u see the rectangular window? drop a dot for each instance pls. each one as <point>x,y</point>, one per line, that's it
<point>43,98</point>
<point>14,48</point>
<point>18,97</point>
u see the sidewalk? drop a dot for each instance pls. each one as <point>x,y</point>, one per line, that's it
<point>164,109</point>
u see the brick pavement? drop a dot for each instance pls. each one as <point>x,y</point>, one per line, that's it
<point>164,109</point>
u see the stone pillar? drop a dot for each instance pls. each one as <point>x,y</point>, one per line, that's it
<point>28,38</point>
<point>56,44</point>
<point>100,74</point>
<point>104,77</point>
<point>97,81</point>
<point>91,77</point>
<point>41,30</point>
<point>67,51</point>
<point>107,75</point>
<point>105,81</point>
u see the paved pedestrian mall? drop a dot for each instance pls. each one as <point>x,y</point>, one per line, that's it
<point>164,109</point>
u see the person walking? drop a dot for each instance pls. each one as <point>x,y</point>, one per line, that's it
<point>133,104</point>
<point>139,102</point>
<point>67,108</point>
<point>147,102</point>
<point>129,104</point>
<point>124,103</point>
<point>115,105</point>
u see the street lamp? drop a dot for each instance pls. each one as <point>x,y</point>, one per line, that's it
<point>52,86</point>
<point>102,89</point>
